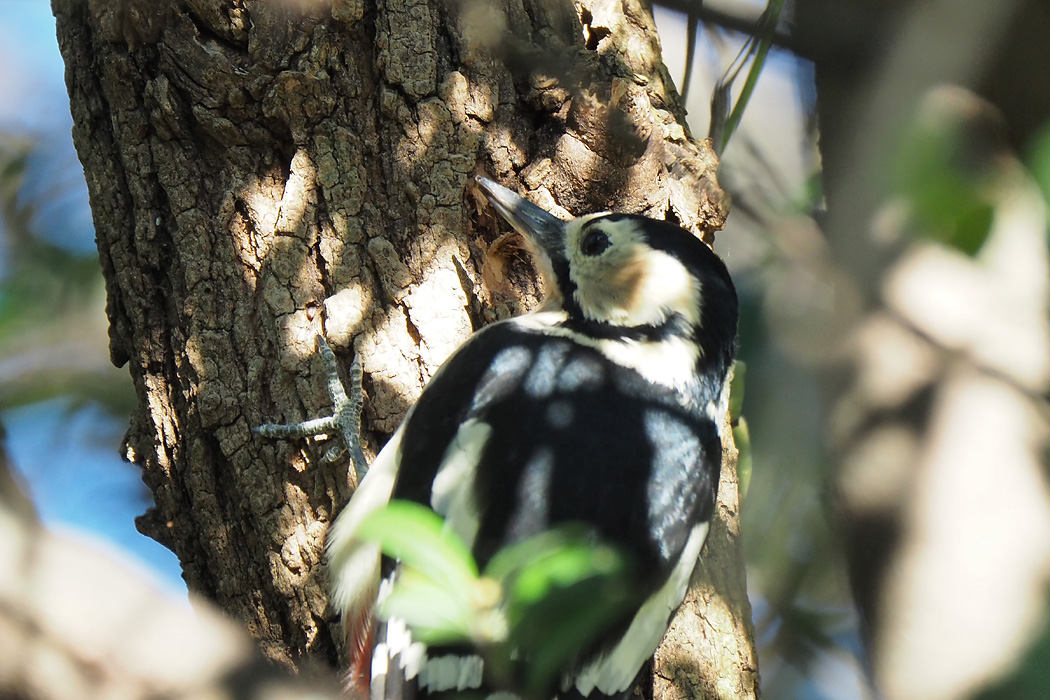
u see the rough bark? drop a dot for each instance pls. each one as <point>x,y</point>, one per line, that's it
<point>261,172</point>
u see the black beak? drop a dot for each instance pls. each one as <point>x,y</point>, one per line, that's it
<point>544,229</point>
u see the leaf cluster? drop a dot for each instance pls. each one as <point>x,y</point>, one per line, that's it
<point>536,608</point>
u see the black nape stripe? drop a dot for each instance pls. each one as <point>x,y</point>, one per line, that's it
<point>601,330</point>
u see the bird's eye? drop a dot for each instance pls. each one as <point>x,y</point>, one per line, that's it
<point>594,243</point>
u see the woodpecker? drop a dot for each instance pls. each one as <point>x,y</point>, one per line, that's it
<point>602,408</point>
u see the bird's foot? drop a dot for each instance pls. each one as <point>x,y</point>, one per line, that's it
<point>345,421</point>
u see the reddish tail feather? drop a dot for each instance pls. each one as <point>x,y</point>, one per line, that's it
<point>360,637</point>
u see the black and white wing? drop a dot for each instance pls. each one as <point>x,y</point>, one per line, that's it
<point>521,431</point>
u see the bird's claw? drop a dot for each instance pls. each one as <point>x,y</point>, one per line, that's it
<point>345,420</point>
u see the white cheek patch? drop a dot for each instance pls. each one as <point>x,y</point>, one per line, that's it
<point>605,283</point>
<point>631,284</point>
<point>605,287</point>
<point>666,286</point>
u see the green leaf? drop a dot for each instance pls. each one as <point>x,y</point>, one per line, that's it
<point>949,191</point>
<point>541,604</point>
<point>435,614</point>
<point>736,390</point>
<point>419,538</point>
<point>513,558</point>
<point>565,623</point>
<point>562,567</point>
<point>545,565</point>
<point>1038,160</point>
<point>563,590</point>
<point>744,463</point>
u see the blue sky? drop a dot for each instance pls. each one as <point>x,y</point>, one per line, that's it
<point>33,103</point>
<point>68,457</point>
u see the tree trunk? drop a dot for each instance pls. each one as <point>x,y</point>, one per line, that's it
<point>262,172</point>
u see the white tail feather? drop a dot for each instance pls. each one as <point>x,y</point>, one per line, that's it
<point>354,565</point>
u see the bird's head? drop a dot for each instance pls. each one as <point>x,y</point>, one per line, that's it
<point>625,275</point>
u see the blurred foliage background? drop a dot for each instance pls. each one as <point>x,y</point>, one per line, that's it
<point>64,405</point>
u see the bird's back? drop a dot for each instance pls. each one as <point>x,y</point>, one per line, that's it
<point>527,428</point>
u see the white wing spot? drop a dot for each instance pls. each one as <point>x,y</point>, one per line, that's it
<point>674,444</point>
<point>533,494</point>
<point>452,493</point>
<point>542,378</point>
<point>452,672</point>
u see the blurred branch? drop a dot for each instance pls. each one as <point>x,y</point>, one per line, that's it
<point>12,493</point>
<point>14,156</point>
<point>934,333</point>
<point>77,624</point>
<point>960,34</point>
<point>743,19</point>
<point>48,368</point>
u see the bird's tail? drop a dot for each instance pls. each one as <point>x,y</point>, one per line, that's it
<point>354,566</point>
